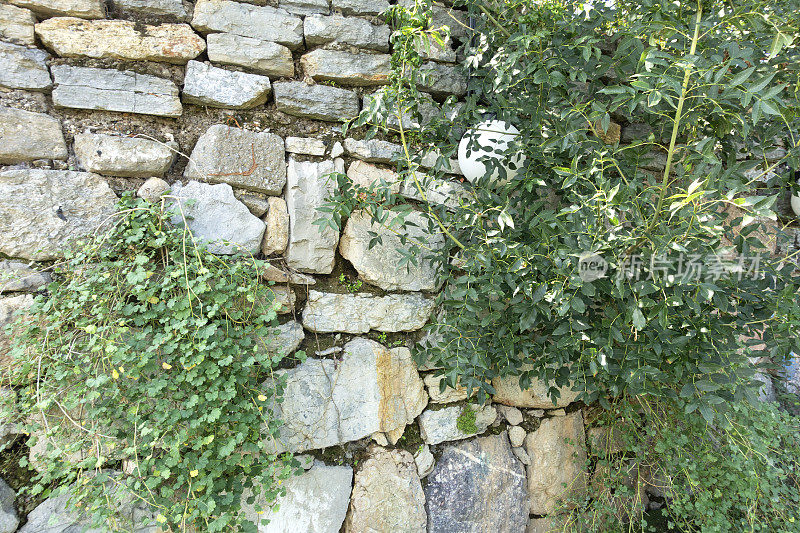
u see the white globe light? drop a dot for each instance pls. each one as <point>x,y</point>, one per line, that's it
<point>493,138</point>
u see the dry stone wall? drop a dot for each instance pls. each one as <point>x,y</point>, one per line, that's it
<point>238,106</point>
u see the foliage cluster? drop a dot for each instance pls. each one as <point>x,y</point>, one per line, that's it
<point>146,373</point>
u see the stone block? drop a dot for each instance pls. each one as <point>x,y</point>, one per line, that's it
<point>128,157</point>
<point>261,22</point>
<point>87,9</point>
<point>318,102</point>
<point>352,31</point>
<point>360,69</point>
<point>27,136</point>
<point>265,57</point>
<point>359,313</point>
<point>215,87</point>
<point>24,68</point>
<point>16,25</point>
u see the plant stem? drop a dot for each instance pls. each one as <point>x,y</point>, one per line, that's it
<point>677,121</point>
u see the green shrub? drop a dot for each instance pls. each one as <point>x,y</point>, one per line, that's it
<point>144,367</point>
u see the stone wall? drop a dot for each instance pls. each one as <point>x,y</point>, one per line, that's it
<point>239,106</point>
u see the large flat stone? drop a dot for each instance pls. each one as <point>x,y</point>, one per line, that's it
<point>24,68</point>
<point>42,211</point>
<point>381,265</point>
<point>435,191</point>
<point>262,22</point>
<point>266,57</point>
<point>359,313</point>
<point>558,461</point>
<point>114,90</point>
<point>120,39</point>
<point>361,7</point>
<point>8,512</point>
<point>353,31</point>
<point>344,67</point>
<point>477,486</point>
<point>160,8</point>
<point>370,176</point>
<point>26,136</point>
<point>373,150</point>
<point>16,25</point>
<point>318,102</point>
<point>509,392</point>
<point>127,157</point>
<point>19,276</point>
<point>372,389</point>
<point>311,248</point>
<point>215,87</point>
<point>387,495</point>
<point>217,218</point>
<point>286,339</point>
<point>87,9</point>
<point>315,501</point>
<point>306,7</point>
<point>441,425</point>
<point>442,15</point>
<point>246,159</point>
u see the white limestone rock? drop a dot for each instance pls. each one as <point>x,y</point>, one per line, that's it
<point>16,25</point>
<point>27,136</point>
<point>373,150</point>
<point>276,237</point>
<point>87,9</point>
<point>315,502</point>
<point>160,8</point>
<point>442,80</point>
<point>360,69</point>
<point>319,102</point>
<point>42,211</point>
<point>371,390</point>
<point>361,7</point>
<point>265,57</point>
<point>305,146</point>
<point>387,495</point>
<point>114,90</point>
<point>424,460</point>
<point>359,313</point>
<point>441,425</point>
<point>207,85</point>
<point>449,395</point>
<point>19,276</point>
<point>152,189</point>
<point>217,218</point>
<point>381,264</point>
<point>286,340</point>
<point>261,22</point>
<point>311,248</point>
<point>509,392</point>
<point>352,31</point>
<point>306,7</point>
<point>242,158</point>
<point>128,157</point>
<point>24,68</point>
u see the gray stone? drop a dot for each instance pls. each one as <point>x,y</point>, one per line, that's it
<point>428,48</point>
<point>284,297</point>
<point>152,189</point>
<point>558,461</point>
<point>218,218</point>
<point>442,79</point>
<point>512,415</point>
<point>360,69</point>
<point>315,501</point>
<point>352,31</point>
<point>129,157</point>
<point>311,248</point>
<point>522,455</point>
<point>337,150</point>
<point>87,9</point>
<point>361,7</point>
<point>8,513</point>
<point>387,495</point>
<point>286,340</point>
<point>27,136</point>
<point>114,90</point>
<point>508,392</point>
<point>280,275</point>
<point>305,7</point>
<point>10,308</point>
<point>42,211</point>
<point>369,176</point>
<point>261,22</point>
<point>58,515</point>
<point>161,8</point>
<point>120,39</point>
<point>16,25</point>
<point>276,237</point>
<point>424,460</point>
<point>24,68</point>
<point>242,158</point>
<point>359,313</point>
<point>266,57</point>
<point>455,19</point>
<point>381,264</point>
<point>373,150</point>
<point>319,102</point>
<point>216,87</point>
<point>19,276</point>
<point>441,425</point>
<point>305,146</point>
<point>257,203</point>
<point>636,132</point>
<point>477,486</point>
<point>427,108</point>
<point>372,389</point>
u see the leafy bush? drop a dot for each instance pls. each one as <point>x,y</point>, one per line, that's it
<point>144,370</point>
